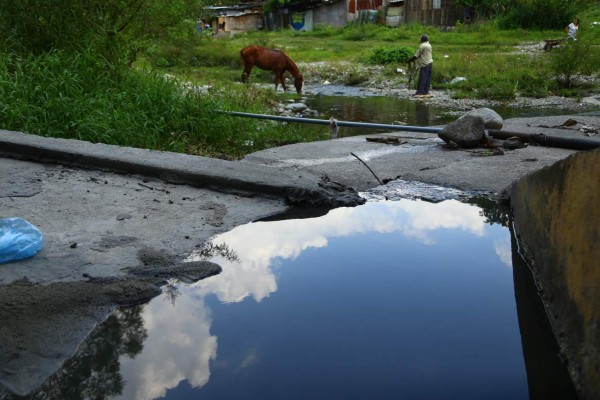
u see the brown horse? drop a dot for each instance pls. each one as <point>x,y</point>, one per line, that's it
<point>270,60</point>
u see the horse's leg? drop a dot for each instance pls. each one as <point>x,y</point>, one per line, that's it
<point>279,79</point>
<point>246,73</point>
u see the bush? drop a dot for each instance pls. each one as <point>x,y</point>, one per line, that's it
<point>538,14</point>
<point>116,29</point>
<point>391,55</point>
<point>573,58</point>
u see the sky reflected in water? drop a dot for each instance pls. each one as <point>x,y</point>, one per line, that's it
<point>388,300</point>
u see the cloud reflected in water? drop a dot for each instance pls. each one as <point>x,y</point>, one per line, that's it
<point>258,244</point>
<point>179,345</point>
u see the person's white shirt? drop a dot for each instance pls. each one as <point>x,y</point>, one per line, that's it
<point>573,31</point>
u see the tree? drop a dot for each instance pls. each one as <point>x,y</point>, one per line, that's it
<point>114,28</point>
<point>486,8</point>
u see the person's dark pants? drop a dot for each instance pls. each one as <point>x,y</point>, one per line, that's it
<point>424,79</point>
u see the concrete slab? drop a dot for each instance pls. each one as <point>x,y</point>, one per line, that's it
<point>423,158</point>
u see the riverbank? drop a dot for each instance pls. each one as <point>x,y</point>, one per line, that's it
<point>443,98</point>
<point>323,79</point>
<point>392,80</point>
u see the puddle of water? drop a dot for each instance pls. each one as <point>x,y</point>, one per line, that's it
<point>402,299</point>
<point>391,299</point>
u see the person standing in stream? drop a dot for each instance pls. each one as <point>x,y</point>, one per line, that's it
<point>424,60</point>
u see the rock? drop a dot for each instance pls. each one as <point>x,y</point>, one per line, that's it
<point>513,143</point>
<point>296,107</point>
<point>458,79</point>
<point>569,122</point>
<point>588,130</point>
<point>467,132</point>
<point>330,194</point>
<point>491,119</point>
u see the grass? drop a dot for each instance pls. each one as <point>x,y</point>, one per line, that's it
<point>76,96</point>
<point>82,96</point>
<point>485,55</point>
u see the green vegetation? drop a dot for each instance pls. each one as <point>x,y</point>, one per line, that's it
<point>490,58</point>
<point>67,70</point>
<point>391,55</point>
<point>139,74</point>
<point>79,96</point>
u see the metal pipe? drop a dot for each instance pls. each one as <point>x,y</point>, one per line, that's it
<point>537,138</point>
<point>549,141</point>
<point>327,122</point>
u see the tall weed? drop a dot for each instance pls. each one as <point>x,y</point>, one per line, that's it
<point>572,59</point>
<point>78,97</point>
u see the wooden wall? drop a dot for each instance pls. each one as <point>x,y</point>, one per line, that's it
<point>422,11</point>
<point>357,5</point>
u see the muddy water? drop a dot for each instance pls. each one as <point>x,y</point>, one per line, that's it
<point>384,110</point>
<point>390,110</point>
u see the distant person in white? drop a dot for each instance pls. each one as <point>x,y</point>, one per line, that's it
<point>571,29</point>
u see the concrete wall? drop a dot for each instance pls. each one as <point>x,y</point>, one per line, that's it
<point>557,220</point>
<point>430,12</point>
<point>331,14</point>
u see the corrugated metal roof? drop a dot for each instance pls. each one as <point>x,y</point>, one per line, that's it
<point>241,6</point>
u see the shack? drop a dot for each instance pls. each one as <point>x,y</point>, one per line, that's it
<point>394,13</point>
<point>237,18</point>
<point>306,14</point>
<point>433,12</point>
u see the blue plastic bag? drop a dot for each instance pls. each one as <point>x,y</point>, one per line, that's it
<point>18,239</point>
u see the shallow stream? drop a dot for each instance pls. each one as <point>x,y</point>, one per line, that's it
<point>398,111</point>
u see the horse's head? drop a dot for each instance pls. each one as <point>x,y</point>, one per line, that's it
<point>298,81</point>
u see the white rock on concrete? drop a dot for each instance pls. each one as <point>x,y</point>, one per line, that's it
<point>491,119</point>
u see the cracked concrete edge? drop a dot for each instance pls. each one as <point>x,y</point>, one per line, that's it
<point>172,167</point>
